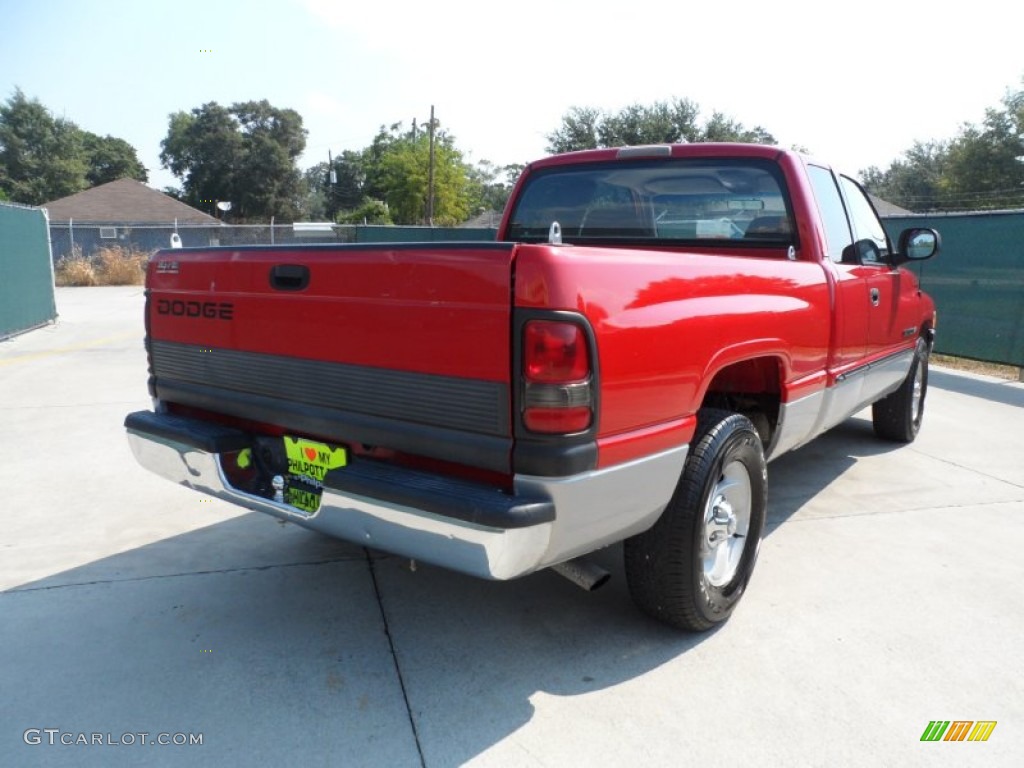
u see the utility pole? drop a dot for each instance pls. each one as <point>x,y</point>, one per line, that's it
<point>430,173</point>
<point>332,180</point>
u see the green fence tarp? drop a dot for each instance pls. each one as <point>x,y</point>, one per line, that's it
<point>977,281</point>
<point>369,234</point>
<point>26,272</point>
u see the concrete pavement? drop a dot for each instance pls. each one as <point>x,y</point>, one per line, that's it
<point>887,594</point>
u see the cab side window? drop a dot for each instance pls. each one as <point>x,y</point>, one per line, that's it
<point>866,224</point>
<point>833,212</point>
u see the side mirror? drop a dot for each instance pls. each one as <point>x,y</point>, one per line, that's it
<point>862,251</point>
<point>916,244</point>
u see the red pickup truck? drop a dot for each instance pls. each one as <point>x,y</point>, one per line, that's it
<point>650,327</point>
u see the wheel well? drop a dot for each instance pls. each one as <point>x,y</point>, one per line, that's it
<point>750,387</point>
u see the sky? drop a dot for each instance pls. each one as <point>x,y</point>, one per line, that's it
<point>856,84</point>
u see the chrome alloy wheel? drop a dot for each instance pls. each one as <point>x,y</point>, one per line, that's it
<point>726,523</point>
<point>918,393</point>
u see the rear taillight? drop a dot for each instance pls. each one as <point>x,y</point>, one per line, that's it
<point>148,344</point>
<point>557,394</point>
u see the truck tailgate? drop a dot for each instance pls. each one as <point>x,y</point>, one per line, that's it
<point>399,346</point>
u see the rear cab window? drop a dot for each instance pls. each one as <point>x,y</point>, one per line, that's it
<point>705,202</point>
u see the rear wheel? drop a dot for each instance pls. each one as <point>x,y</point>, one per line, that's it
<point>692,567</point>
<point>898,416</point>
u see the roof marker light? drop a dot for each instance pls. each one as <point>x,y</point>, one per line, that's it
<point>647,150</point>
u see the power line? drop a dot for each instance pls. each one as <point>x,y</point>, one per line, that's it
<point>994,198</point>
<point>1002,202</point>
<point>1016,191</point>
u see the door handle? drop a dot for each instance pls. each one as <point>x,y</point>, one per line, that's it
<point>876,297</point>
<point>289,277</point>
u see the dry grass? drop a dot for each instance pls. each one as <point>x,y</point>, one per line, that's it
<point>120,266</point>
<point>976,366</point>
<point>74,270</point>
<point>113,265</point>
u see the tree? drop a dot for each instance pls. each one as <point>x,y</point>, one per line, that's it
<point>578,130</point>
<point>268,181</point>
<point>245,154</point>
<point>663,122</point>
<point>388,181</point>
<point>334,200</point>
<point>397,167</point>
<point>982,170</point>
<point>916,177</point>
<point>201,148</point>
<point>660,123</point>
<point>978,169</point>
<point>369,212</point>
<point>489,185</point>
<point>43,158</point>
<point>350,179</point>
<point>109,159</point>
<point>314,201</point>
<point>722,128</point>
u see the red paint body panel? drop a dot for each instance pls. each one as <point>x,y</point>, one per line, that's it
<point>667,320</point>
<point>423,309</point>
<point>665,323</point>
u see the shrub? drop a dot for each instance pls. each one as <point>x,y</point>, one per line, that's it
<point>74,270</point>
<point>113,265</point>
<point>369,212</point>
<point>120,266</point>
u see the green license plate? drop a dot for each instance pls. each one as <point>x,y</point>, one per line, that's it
<point>309,462</point>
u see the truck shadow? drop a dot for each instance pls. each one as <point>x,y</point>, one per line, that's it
<point>797,477</point>
<point>1006,392</point>
<point>246,629</point>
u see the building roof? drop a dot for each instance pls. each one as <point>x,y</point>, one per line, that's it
<point>125,201</point>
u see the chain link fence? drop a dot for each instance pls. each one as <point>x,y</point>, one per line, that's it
<point>977,280</point>
<point>86,240</point>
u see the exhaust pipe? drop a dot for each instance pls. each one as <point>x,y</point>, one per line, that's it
<point>583,573</point>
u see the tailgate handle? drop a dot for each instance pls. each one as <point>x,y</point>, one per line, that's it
<point>289,277</point>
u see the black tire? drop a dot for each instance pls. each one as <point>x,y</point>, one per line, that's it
<point>898,416</point>
<point>666,567</point>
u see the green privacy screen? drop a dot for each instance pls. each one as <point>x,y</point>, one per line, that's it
<point>977,281</point>
<point>26,284</point>
<point>421,234</point>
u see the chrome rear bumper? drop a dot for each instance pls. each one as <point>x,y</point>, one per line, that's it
<point>588,511</point>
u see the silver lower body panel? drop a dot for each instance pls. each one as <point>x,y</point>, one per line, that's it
<point>802,420</point>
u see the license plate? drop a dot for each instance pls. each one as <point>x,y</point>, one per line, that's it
<point>309,462</point>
